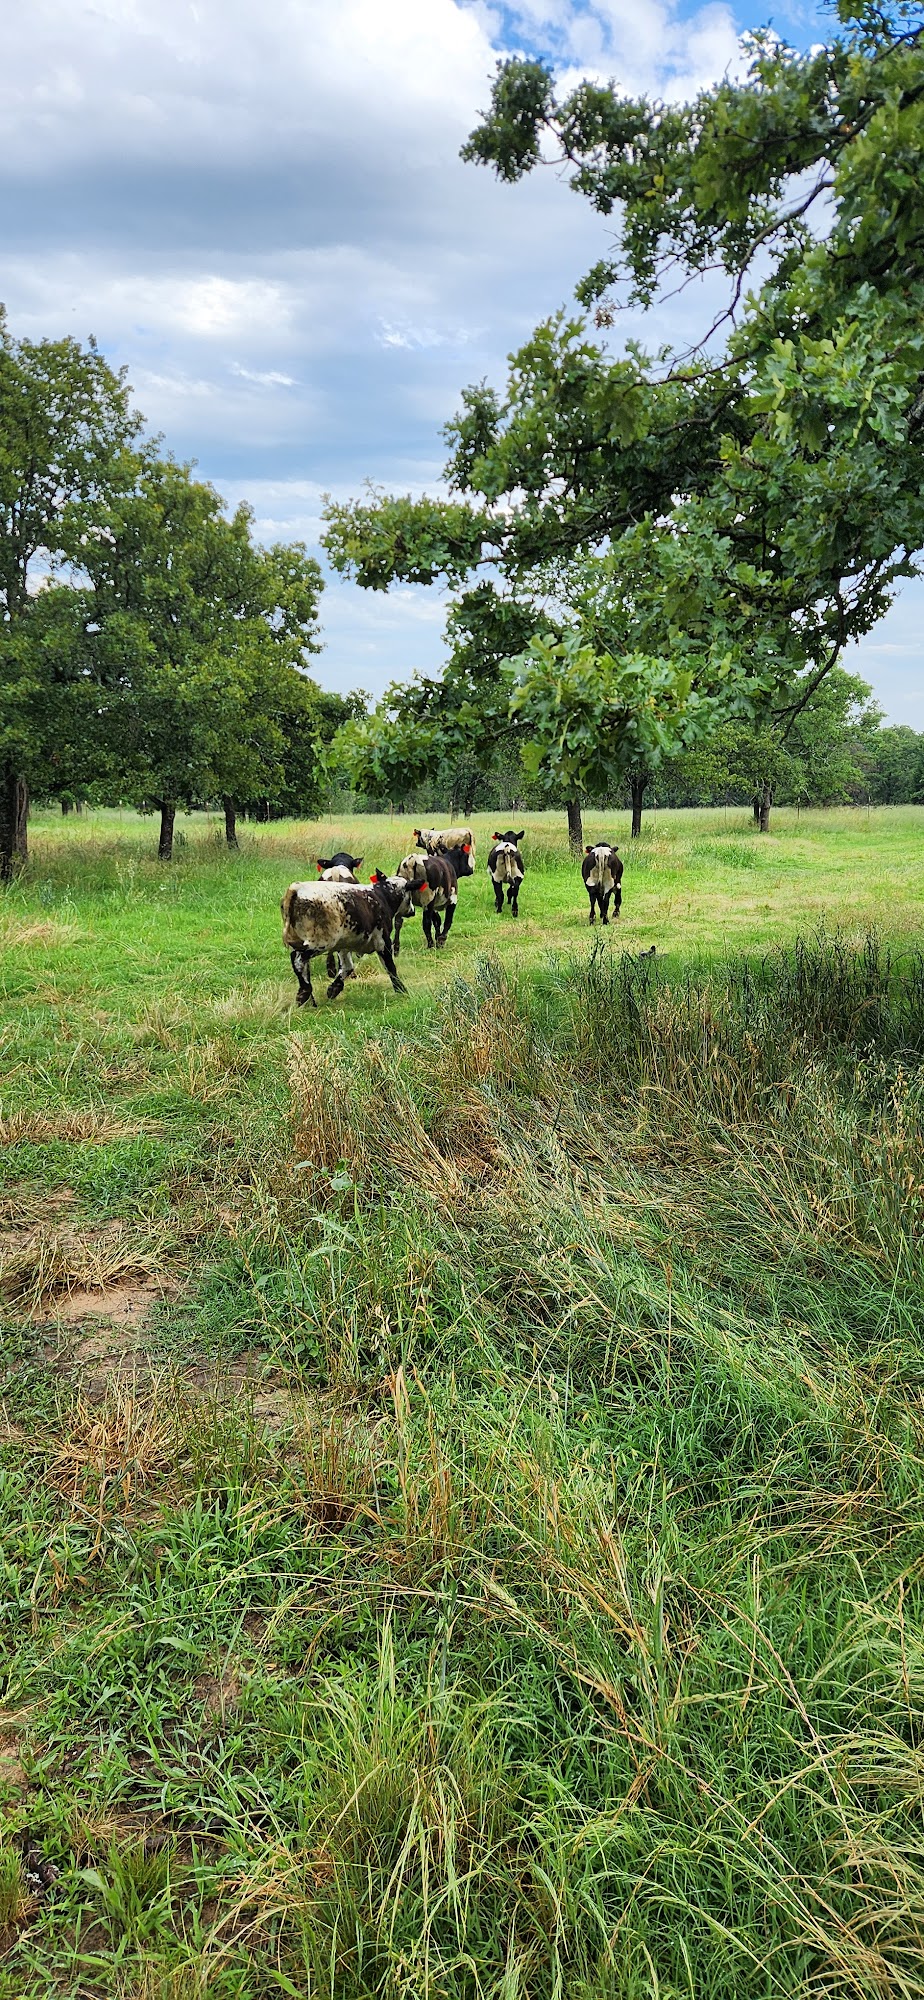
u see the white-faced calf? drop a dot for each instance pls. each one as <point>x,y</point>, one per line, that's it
<point>507,869</point>
<point>432,882</point>
<point>344,919</point>
<point>602,872</point>
<point>340,867</point>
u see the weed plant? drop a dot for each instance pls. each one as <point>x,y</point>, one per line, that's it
<point>539,1613</point>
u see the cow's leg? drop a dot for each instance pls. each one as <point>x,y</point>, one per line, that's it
<point>398,923</point>
<point>617,899</point>
<point>333,965</point>
<point>449,913</point>
<point>592,894</point>
<point>428,920</point>
<point>347,967</point>
<point>498,888</point>
<point>605,905</point>
<point>387,957</point>
<point>512,895</point>
<point>301,966</point>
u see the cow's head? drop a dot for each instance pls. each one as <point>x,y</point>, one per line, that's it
<point>353,861</point>
<point>513,838</point>
<point>396,893</point>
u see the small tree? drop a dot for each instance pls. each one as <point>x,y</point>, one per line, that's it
<point>200,641</point>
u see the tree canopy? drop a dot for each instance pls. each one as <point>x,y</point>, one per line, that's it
<point>751,502</point>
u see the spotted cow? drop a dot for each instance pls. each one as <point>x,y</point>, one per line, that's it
<point>432,882</point>
<point>457,843</point>
<point>347,919</point>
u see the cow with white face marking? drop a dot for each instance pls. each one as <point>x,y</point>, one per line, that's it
<point>431,880</point>
<point>340,867</point>
<point>457,843</point>
<point>507,869</point>
<point>602,872</point>
<point>344,918</point>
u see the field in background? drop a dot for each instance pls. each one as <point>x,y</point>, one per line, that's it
<point>462,1506</point>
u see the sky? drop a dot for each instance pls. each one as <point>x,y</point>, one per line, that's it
<point>260,210</point>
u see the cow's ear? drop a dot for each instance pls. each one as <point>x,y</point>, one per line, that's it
<point>358,861</point>
<point>588,850</point>
<point>520,835</point>
<point>321,864</point>
<point>495,836</point>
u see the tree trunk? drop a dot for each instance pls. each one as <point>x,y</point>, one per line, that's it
<point>637,784</point>
<point>230,820</point>
<point>65,807</point>
<point>575,827</point>
<point>766,801</point>
<point>167,817</point>
<point>14,821</point>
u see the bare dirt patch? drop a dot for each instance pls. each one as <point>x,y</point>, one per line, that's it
<point>110,1339</point>
<point>12,1774</point>
<point>247,1384</point>
<point>217,1695</point>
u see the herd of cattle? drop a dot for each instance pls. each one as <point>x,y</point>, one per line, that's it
<point>340,918</point>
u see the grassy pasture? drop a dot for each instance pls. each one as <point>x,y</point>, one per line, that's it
<point>462,1490</point>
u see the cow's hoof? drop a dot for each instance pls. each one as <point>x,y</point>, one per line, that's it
<point>305,1000</point>
<point>604,920</point>
<point>440,943</point>
<point>335,989</point>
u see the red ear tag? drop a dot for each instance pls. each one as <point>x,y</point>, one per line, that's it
<point>467,847</point>
<point>319,867</point>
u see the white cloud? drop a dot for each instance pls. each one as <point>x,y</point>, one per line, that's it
<point>262,212</point>
<point>266,378</point>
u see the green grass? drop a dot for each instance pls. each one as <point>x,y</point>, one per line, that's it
<point>495,1565</point>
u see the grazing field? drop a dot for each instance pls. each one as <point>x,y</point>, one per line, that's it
<point>462,1491</point>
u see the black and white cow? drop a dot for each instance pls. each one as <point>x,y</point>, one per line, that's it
<point>507,869</point>
<point>344,918</point>
<point>432,882</point>
<point>456,842</point>
<point>602,872</point>
<point>340,867</point>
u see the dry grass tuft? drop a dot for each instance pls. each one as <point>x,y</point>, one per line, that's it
<point>339,1457</point>
<point>326,1131</point>
<point>53,1264</point>
<point>44,1128</point>
<point>41,932</point>
<point>117,1448</point>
